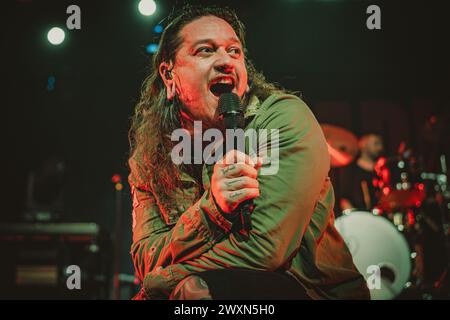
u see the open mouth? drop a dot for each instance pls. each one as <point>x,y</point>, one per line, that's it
<point>222,86</point>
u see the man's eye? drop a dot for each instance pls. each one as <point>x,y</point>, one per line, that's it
<point>204,50</point>
<point>234,50</point>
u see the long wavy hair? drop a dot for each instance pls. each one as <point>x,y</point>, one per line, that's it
<point>155,117</point>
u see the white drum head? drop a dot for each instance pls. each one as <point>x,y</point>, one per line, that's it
<point>375,242</point>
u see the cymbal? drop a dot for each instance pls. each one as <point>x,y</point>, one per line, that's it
<point>342,145</point>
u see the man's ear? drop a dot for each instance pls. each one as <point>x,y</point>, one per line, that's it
<point>167,77</point>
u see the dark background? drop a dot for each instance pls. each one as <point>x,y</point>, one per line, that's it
<point>391,81</point>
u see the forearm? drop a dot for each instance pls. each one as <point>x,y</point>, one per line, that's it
<point>158,245</point>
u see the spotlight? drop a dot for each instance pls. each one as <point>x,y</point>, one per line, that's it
<point>51,83</point>
<point>56,36</point>
<point>158,28</point>
<point>152,48</point>
<point>147,7</point>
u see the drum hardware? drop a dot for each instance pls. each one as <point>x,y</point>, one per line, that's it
<point>374,241</point>
<point>443,198</point>
<point>406,201</point>
<point>398,184</point>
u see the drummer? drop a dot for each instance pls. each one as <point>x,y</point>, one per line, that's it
<point>357,189</point>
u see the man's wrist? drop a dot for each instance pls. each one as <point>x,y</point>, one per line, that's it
<point>231,217</point>
<point>214,214</point>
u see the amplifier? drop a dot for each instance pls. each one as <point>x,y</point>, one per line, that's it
<point>54,261</point>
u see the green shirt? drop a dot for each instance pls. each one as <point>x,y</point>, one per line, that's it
<point>292,222</point>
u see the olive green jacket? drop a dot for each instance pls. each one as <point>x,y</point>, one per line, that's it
<point>292,222</point>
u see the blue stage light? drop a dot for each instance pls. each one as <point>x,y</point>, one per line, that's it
<point>158,28</point>
<point>152,48</point>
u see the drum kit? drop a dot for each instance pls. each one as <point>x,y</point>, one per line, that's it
<point>389,238</point>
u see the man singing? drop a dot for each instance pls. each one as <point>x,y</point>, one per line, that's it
<point>187,231</point>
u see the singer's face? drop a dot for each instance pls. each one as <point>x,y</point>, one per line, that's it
<point>209,62</point>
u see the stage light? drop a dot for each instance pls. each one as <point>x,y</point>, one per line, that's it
<point>152,48</point>
<point>56,36</point>
<point>158,28</point>
<point>51,83</point>
<point>147,7</point>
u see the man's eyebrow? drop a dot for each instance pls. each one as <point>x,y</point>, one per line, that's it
<point>201,41</point>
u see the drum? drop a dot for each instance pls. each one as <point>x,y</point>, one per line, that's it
<point>378,250</point>
<point>398,183</point>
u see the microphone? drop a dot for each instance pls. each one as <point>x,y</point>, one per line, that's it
<point>231,110</point>
<point>233,118</point>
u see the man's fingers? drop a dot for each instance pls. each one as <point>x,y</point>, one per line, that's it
<point>240,183</point>
<point>234,198</point>
<point>238,170</point>
<point>236,156</point>
<point>258,164</point>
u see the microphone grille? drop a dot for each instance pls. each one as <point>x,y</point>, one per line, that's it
<point>229,102</point>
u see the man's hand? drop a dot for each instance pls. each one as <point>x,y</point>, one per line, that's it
<point>234,180</point>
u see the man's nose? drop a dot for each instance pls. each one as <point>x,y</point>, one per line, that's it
<point>224,62</point>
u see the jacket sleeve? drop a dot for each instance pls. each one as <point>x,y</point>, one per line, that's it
<point>157,244</point>
<point>282,211</point>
